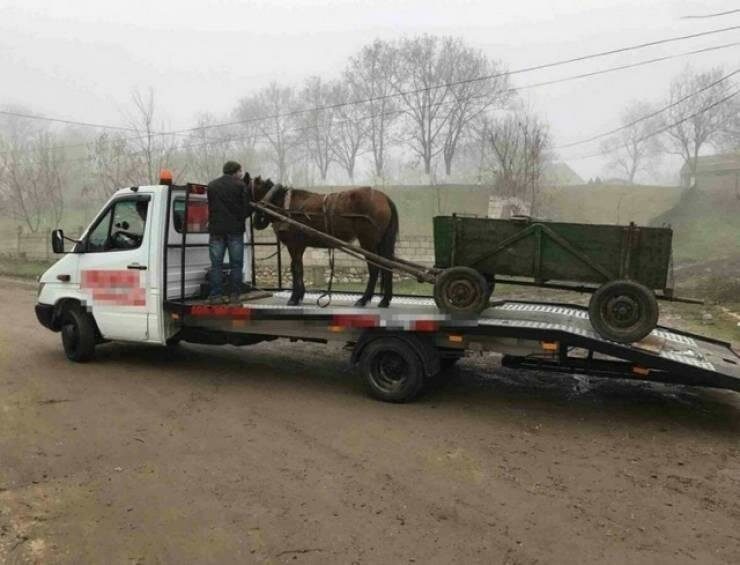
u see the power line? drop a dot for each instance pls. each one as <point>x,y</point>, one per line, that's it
<point>716,14</point>
<point>475,79</point>
<point>404,93</point>
<point>467,81</point>
<point>231,138</point>
<point>667,127</point>
<point>64,121</point>
<point>648,116</point>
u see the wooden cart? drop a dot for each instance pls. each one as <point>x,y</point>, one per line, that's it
<point>622,266</point>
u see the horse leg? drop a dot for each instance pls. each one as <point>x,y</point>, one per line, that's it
<point>296,270</point>
<point>372,280</point>
<point>386,284</point>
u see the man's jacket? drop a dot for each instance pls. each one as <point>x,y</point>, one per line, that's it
<point>228,205</point>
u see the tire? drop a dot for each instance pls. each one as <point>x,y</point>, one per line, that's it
<point>78,335</point>
<point>623,311</point>
<point>462,290</point>
<point>392,370</point>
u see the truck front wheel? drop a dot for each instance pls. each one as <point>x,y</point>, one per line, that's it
<point>78,335</point>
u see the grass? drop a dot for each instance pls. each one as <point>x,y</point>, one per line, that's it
<point>705,226</point>
<point>22,268</point>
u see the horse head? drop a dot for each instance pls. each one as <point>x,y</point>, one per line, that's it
<point>260,189</point>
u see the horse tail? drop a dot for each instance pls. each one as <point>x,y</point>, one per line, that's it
<point>387,245</point>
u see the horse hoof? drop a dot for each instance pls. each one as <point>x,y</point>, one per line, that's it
<point>293,302</point>
<point>384,304</point>
<point>360,303</point>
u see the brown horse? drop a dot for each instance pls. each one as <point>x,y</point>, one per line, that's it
<point>363,214</point>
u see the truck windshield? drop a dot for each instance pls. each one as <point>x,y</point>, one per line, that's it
<point>121,227</point>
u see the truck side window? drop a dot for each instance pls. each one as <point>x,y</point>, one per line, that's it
<point>121,227</point>
<point>197,215</point>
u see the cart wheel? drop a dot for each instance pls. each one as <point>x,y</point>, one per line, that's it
<point>392,369</point>
<point>462,290</point>
<point>623,311</point>
<point>78,335</point>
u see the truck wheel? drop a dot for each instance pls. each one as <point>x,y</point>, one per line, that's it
<point>623,311</point>
<point>78,335</point>
<point>462,290</point>
<point>392,370</point>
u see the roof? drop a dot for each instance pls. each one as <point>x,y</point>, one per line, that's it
<point>717,163</point>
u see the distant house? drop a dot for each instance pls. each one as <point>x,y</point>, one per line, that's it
<point>507,207</point>
<point>715,173</point>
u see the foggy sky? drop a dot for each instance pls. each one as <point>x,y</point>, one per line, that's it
<point>82,59</point>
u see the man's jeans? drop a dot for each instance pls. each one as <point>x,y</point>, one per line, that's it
<point>217,245</point>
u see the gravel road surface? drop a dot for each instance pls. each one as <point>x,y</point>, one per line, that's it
<point>274,454</point>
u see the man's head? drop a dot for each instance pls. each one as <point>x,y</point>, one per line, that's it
<point>232,168</point>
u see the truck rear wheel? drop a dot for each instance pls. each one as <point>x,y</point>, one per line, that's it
<point>623,311</point>
<point>462,290</point>
<point>392,370</point>
<point>78,335</point>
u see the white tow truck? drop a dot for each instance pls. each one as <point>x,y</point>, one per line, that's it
<point>138,274</point>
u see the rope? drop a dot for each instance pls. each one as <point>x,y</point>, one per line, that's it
<point>327,293</point>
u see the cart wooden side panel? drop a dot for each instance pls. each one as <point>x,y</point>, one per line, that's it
<point>554,251</point>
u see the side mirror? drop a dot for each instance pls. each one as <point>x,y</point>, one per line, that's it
<point>57,241</point>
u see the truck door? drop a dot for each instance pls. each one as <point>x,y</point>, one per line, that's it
<point>114,269</point>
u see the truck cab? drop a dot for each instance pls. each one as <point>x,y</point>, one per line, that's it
<point>109,284</point>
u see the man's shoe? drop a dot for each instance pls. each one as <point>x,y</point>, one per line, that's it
<point>216,300</point>
<point>234,298</point>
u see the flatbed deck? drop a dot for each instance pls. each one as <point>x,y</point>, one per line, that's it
<point>533,335</point>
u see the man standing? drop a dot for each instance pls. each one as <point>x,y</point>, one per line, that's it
<point>229,205</point>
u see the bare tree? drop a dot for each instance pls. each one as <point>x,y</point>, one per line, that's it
<point>520,149</point>
<point>154,149</point>
<point>699,119</point>
<point>271,111</point>
<point>631,150</point>
<point>113,164</point>
<point>438,82</point>
<point>317,123</point>
<point>422,66</point>
<point>470,97</point>
<point>32,169</point>
<point>729,137</point>
<point>207,148</point>
<point>350,129</point>
<point>369,76</point>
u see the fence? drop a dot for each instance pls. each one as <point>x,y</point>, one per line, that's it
<point>27,245</point>
<point>36,246</point>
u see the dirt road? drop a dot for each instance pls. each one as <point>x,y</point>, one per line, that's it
<point>274,454</point>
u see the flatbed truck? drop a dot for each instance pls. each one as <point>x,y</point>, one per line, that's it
<point>137,275</point>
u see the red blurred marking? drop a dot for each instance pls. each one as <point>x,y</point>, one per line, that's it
<point>117,287</point>
<point>225,311</point>
<point>96,278</point>
<point>355,320</point>
<point>426,325</point>
<point>197,218</point>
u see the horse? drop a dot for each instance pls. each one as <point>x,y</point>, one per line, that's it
<point>363,214</point>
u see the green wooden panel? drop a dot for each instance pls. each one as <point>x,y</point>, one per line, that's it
<point>554,251</point>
